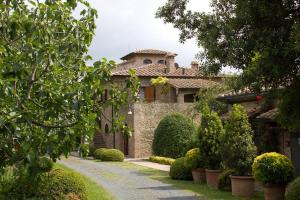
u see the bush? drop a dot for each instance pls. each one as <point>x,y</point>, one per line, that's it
<point>193,159</point>
<point>238,149</point>
<point>92,150</point>
<point>225,180</point>
<point>59,184</point>
<point>210,133</point>
<point>272,168</point>
<point>104,154</point>
<point>45,164</point>
<point>173,136</point>
<point>161,160</point>
<point>179,171</point>
<point>293,190</point>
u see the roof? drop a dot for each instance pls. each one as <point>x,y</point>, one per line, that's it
<point>148,51</point>
<point>190,83</point>
<point>271,114</point>
<point>155,70</point>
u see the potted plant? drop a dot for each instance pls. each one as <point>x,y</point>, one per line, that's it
<point>193,160</point>
<point>239,151</point>
<point>275,171</point>
<point>210,133</point>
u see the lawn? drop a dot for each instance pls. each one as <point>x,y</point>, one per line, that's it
<point>94,190</point>
<point>204,192</point>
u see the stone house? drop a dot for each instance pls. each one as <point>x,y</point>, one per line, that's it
<point>143,116</point>
<point>269,135</point>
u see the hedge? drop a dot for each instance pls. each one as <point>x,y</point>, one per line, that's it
<point>105,154</point>
<point>161,160</point>
<point>178,170</point>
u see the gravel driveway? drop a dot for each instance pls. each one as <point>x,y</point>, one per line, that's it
<point>125,182</point>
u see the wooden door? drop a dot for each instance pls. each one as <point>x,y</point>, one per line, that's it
<point>149,93</point>
<point>126,145</point>
<point>295,151</point>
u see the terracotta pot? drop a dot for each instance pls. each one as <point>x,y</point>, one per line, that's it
<point>274,192</point>
<point>212,177</point>
<point>199,175</point>
<point>242,186</point>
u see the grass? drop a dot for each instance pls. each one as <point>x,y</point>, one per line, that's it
<point>203,191</point>
<point>94,190</point>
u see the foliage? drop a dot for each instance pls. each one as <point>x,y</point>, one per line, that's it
<point>210,133</point>
<point>104,154</point>
<point>92,150</point>
<point>208,96</point>
<point>260,38</point>
<point>193,159</point>
<point>48,96</point>
<point>178,170</point>
<point>225,180</point>
<point>161,160</point>
<point>173,135</point>
<point>293,190</point>
<point>266,139</point>
<point>60,183</point>
<point>273,168</point>
<point>238,149</point>
<point>161,81</point>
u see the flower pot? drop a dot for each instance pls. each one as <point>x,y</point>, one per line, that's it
<point>199,175</point>
<point>212,177</point>
<point>274,192</point>
<point>242,186</point>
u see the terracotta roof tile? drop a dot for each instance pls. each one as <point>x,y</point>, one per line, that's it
<point>149,51</point>
<point>154,70</point>
<point>190,83</point>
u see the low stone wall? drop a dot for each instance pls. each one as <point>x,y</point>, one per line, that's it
<point>146,118</point>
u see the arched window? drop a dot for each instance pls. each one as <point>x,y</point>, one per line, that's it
<point>106,128</point>
<point>147,61</point>
<point>161,62</point>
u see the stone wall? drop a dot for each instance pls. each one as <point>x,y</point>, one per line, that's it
<point>146,118</point>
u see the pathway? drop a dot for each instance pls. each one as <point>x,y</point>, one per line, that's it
<point>126,182</point>
<point>145,163</point>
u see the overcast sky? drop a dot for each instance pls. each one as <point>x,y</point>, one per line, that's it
<point>125,26</point>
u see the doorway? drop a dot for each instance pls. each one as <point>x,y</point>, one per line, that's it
<point>126,145</point>
<point>295,151</point>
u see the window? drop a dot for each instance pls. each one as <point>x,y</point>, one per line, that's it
<point>141,94</point>
<point>189,98</point>
<point>147,61</point>
<point>106,128</point>
<point>161,62</point>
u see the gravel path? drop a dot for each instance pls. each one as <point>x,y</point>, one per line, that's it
<point>125,182</point>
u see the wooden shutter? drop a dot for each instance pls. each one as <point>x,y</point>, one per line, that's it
<point>149,93</point>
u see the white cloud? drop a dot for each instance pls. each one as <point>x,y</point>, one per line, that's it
<point>124,26</point>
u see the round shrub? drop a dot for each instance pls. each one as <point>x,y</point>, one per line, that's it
<point>225,180</point>
<point>92,150</point>
<point>273,168</point>
<point>238,150</point>
<point>293,190</point>
<point>193,159</point>
<point>58,184</point>
<point>45,164</point>
<point>104,154</point>
<point>179,171</point>
<point>173,136</point>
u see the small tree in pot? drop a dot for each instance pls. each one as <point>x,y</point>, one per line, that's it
<point>210,133</point>
<point>239,151</point>
<point>193,160</point>
<point>275,171</point>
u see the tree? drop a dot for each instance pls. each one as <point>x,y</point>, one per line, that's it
<point>48,96</point>
<point>210,133</point>
<point>238,149</point>
<point>261,38</point>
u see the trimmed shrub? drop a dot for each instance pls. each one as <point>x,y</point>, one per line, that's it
<point>58,184</point>
<point>238,149</point>
<point>273,168</point>
<point>173,136</point>
<point>161,160</point>
<point>210,133</point>
<point>104,154</point>
<point>179,171</point>
<point>225,180</point>
<point>92,150</point>
<point>293,190</point>
<point>193,159</point>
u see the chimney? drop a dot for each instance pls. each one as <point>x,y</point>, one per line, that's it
<point>170,62</point>
<point>195,65</point>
